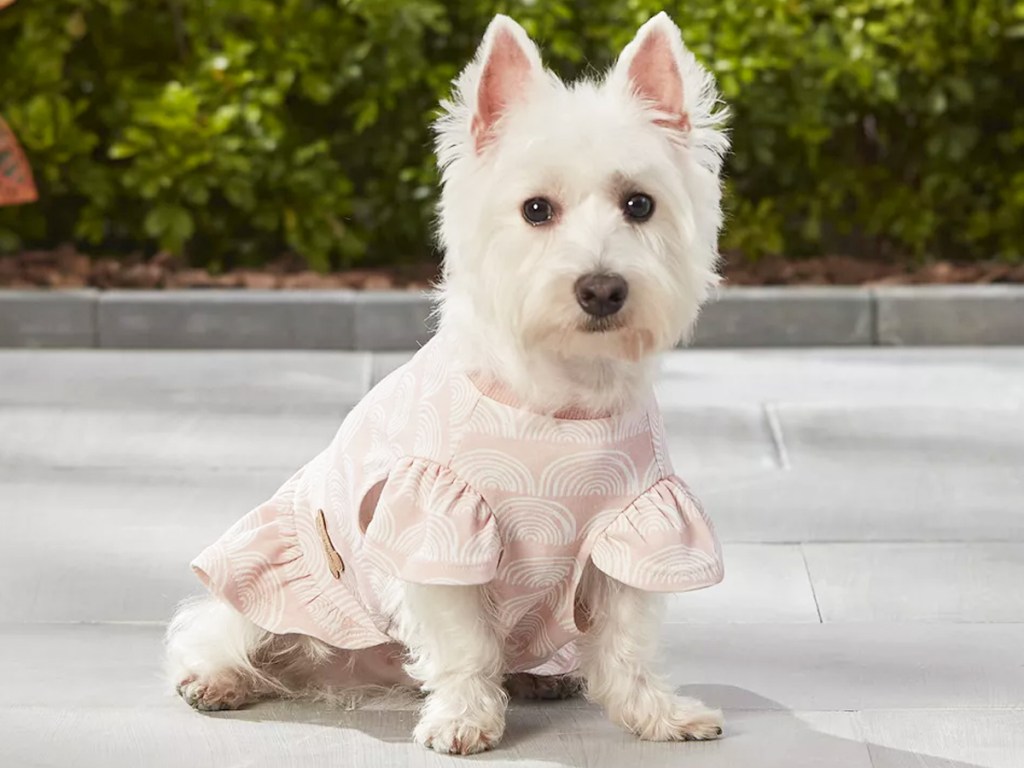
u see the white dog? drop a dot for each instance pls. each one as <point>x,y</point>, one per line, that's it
<point>500,513</point>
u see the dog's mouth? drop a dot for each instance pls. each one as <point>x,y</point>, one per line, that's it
<point>602,324</point>
<point>608,337</point>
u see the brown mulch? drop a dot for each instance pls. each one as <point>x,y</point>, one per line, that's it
<point>65,267</point>
<point>847,270</point>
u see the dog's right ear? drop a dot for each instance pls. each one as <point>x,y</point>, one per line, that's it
<point>509,67</point>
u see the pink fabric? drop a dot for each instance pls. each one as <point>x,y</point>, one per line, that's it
<point>436,480</point>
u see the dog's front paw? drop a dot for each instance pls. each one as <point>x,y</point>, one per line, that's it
<point>678,719</point>
<point>215,693</point>
<point>457,736</point>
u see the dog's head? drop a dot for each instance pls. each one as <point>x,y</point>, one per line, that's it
<point>581,218</point>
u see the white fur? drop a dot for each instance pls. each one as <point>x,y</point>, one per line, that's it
<point>455,654</point>
<point>617,653</point>
<point>507,304</point>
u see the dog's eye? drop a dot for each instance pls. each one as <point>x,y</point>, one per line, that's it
<point>638,207</point>
<point>537,210</point>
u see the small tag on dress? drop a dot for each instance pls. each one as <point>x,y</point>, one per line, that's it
<point>334,561</point>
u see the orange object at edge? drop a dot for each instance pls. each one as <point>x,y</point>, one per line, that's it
<point>16,183</point>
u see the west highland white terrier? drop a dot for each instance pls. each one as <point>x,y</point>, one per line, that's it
<point>500,514</point>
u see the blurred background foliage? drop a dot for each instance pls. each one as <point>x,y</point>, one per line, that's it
<point>234,130</point>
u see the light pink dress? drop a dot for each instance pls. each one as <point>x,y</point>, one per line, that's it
<point>436,479</point>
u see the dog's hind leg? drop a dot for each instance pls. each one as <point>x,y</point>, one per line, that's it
<point>218,659</point>
<point>523,685</point>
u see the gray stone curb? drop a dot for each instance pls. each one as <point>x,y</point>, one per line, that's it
<point>226,320</point>
<point>394,321</point>
<point>48,318</point>
<point>787,317</point>
<point>950,314</point>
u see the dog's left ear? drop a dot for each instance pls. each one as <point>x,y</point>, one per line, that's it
<point>509,67</point>
<point>650,66</point>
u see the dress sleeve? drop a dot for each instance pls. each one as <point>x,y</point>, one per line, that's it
<point>430,527</point>
<point>662,542</point>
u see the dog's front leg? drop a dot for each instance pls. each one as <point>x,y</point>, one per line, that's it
<point>456,656</point>
<point>616,654</point>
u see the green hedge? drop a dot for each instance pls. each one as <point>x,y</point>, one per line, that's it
<point>232,130</point>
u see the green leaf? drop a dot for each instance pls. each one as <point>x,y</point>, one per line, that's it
<point>171,224</point>
<point>121,150</point>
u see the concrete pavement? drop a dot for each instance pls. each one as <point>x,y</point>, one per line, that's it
<point>870,502</point>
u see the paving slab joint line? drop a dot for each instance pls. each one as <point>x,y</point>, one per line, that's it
<point>771,417</point>
<point>94,320</point>
<point>876,337</point>
<point>810,583</point>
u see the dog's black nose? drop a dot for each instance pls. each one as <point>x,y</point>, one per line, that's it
<point>601,295</point>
